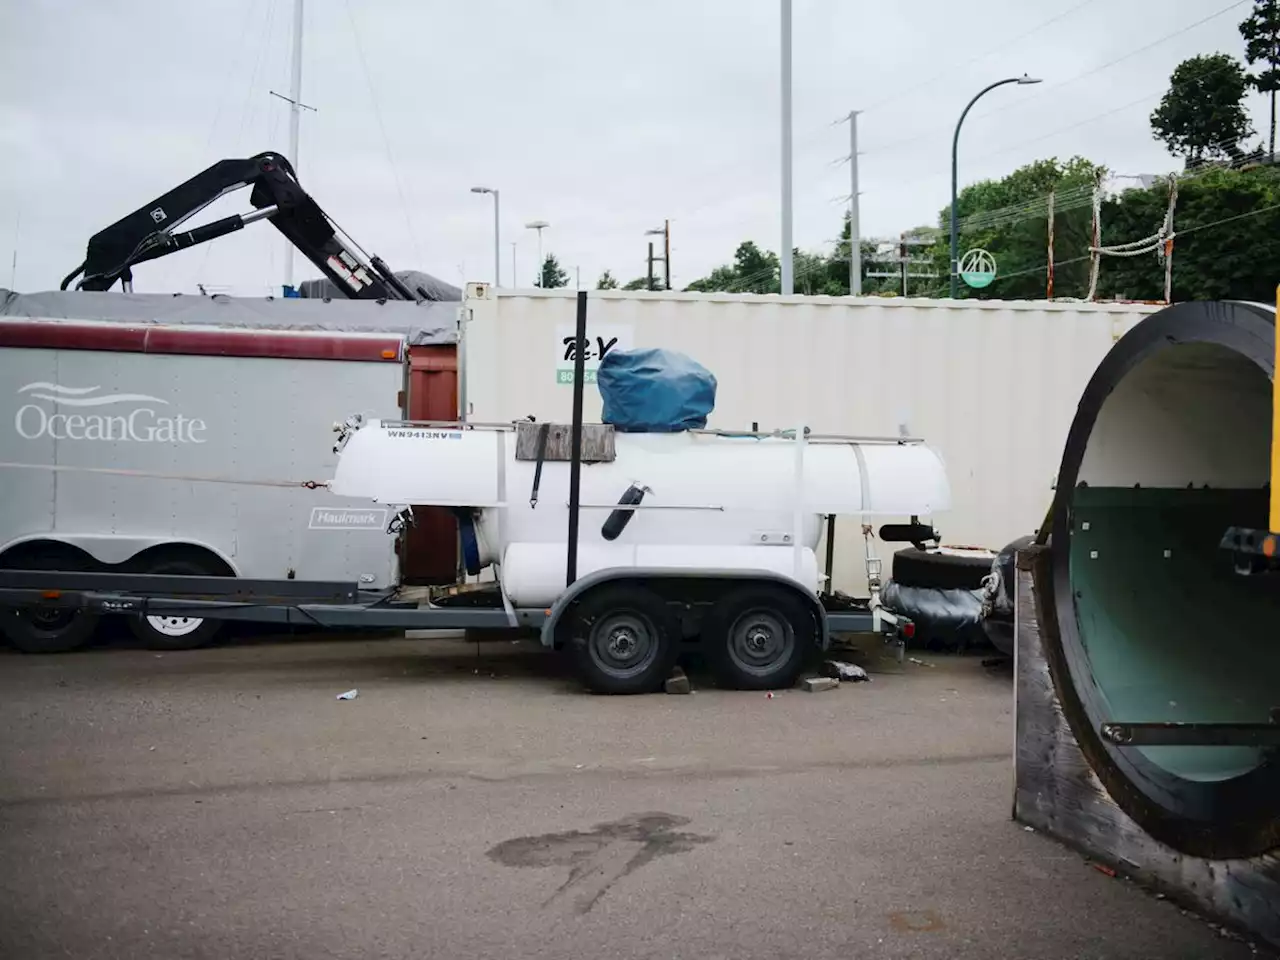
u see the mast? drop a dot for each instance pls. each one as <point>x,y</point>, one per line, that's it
<point>295,117</point>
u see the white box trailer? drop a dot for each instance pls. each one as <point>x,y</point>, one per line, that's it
<point>992,385</point>
<point>192,436</point>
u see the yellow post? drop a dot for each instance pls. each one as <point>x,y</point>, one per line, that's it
<point>1274,523</point>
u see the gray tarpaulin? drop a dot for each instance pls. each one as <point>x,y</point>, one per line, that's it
<point>421,323</point>
<point>435,288</point>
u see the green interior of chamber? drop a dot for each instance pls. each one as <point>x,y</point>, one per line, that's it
<point>1172,633</point>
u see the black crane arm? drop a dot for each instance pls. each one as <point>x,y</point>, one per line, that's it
<point>151,231</point>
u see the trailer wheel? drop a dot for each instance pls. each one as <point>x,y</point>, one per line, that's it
<point>757,637</point>
<point>167,632</point>
<point>625,640</point>
<point>48,629</point>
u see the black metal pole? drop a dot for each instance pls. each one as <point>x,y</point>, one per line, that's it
<point>650,286</point>
<point>831,552</point>
<point>575,441</point>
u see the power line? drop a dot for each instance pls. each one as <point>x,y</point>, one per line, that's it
<point>386,142</point>
<point>947,71</point>
<point>1062,83</point>
<point>1111,63</point>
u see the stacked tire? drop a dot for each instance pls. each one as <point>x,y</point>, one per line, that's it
<point>940,589</point>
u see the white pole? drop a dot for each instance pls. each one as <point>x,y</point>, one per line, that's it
<point>497,244</point>
<point>855,235</point>
<point>295,116</point>
<point>787,265</point>
<point>515,274</point>
<point>797,516</point>
<point>13,266</point>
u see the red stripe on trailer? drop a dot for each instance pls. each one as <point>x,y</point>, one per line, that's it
<point>124,338</point>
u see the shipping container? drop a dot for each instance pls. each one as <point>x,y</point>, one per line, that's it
<point>991,385</point>
<point>174,434</point>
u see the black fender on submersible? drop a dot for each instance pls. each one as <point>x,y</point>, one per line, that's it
<point>1143,616</point>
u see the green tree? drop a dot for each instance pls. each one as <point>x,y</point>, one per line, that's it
<point>1009,219</point>
<point>639,283</point>
<point>753,271</point>
<point>552,275</point>
<point>1261,33</point>
<point>607,281</point>
<point>1211,260</point>
<point>1202,116</point>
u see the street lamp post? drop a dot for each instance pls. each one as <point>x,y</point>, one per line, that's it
<point>497,243</point>
<point>1023,80</point>
<point>538,225</point>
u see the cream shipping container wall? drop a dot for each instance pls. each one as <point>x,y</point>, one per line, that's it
<point>991,385</point>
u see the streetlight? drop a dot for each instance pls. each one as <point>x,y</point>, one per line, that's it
<point>497,245</point>
<point>1023,80</point>
<point>538,225</point>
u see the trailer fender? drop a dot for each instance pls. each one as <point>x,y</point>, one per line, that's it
<point>111,550</point>
<point>591,580</point>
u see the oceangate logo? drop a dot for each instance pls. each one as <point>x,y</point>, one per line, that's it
<point>142,424</point>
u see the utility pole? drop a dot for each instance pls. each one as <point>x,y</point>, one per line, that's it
<point>650,287</point>
<point>855,238</point>
<point>787,263</point>
<point>13,265</point>
<point>538,225</point>
<point>903,260</point>
<point>665,233</point>
<point>666,253</point>
<point>515,277</point>
<point>497,261</point>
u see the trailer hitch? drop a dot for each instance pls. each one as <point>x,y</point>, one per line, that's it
<point>1161,734</point>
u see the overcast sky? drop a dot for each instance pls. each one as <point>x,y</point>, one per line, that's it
<point>599,116</point>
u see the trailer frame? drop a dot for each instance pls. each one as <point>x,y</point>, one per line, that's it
<point>339,604</point>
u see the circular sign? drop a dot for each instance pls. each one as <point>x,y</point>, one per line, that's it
<point>978,268</point>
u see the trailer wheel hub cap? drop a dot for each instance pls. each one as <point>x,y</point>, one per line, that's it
<point>760,640</point>
<point>623,644</point>
<point>175,626</point>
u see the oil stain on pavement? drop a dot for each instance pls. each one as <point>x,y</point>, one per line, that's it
<point>600,857</point>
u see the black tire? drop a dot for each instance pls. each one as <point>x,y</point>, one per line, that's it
<point>758,637</point>
<point>624,640</point>
<point>944,571</point>
<point>177,633</point>
<point>48,629</point>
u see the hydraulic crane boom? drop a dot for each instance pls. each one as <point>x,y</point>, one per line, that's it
<point>150,231</point>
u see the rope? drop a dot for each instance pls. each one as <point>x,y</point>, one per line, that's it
<point>115,472</point>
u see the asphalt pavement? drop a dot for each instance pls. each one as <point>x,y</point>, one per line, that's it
<point>474,802</point>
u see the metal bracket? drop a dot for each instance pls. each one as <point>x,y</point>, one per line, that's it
<point>1253,551</point>
<point>1194,734</point>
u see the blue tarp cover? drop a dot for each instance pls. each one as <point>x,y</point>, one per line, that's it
<point>654,391</point>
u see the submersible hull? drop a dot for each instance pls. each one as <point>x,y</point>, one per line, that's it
<point>1133,613</point>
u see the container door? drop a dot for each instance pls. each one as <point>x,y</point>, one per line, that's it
<point>429,551</point>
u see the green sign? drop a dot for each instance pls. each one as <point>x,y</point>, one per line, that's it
<point>978,268</point>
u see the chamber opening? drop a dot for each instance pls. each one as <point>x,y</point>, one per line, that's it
<point>1179,452</point>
